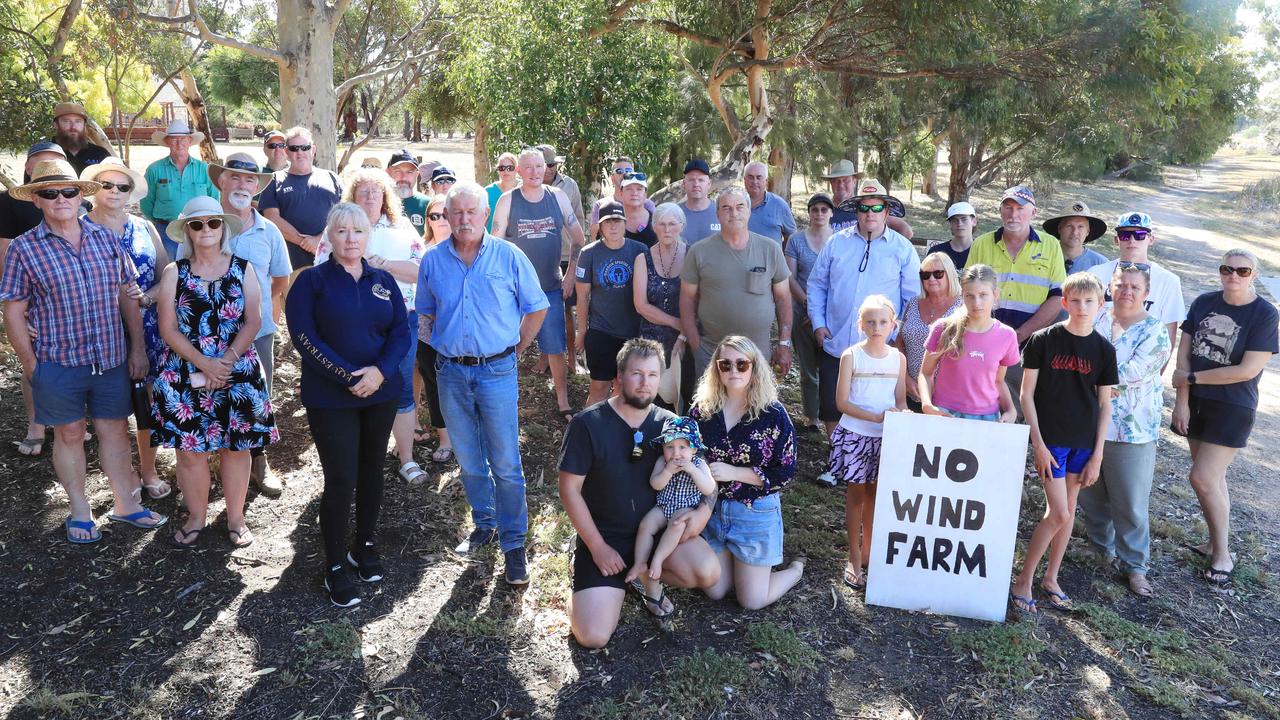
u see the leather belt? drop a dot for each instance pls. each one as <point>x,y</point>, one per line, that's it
<point>472,361</point>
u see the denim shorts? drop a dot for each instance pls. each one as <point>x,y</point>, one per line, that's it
<point>1070,460</point>
<point>989,417</point>
<point>62,393</point>
<point>551,337</point>
<point>752,534</point>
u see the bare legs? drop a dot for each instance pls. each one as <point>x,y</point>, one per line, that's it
<point>1060,500</point>
<point>193,480</point>
<point>859,507</point>
<point>755,586</point>
<point>1209,464</point>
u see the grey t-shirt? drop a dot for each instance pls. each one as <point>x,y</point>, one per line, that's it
<point>611,272</point>
<point>535,228</point>
<point>699,224</point>
<point>735,287</point>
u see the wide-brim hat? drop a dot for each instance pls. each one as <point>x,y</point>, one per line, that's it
<point>200,208</point>
<point>872,188</point>
<point>842,168</point>
<point>115,164</point>
<point>50,174</point>
<point>242,163</point>
<point>177,128</point>
<point>1097,228</point>
<point>549,155</point>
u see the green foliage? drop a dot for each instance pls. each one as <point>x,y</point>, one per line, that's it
<point>237,79</point>
<point>794,657</point>
<point>330,642</point>
<point>703,682</point>
<point>1007,651</point>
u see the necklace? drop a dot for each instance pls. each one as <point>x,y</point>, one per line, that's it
<point>666,269</point>
<point>932,312</point>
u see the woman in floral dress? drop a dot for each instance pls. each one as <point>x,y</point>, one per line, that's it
<point>751,452</point>
<point>210,395</point>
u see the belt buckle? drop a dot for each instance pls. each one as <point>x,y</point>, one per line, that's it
<point>470,361</point>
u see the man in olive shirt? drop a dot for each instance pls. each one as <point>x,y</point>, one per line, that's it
<point>735,283</point>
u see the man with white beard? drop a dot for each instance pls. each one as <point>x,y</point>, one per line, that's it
<point>239,180</point>
<point>403,169</point>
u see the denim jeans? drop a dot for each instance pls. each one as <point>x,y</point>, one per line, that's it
<point>1115,508</point>
<point>480,407</point>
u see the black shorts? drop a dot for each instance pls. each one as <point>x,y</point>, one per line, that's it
<point>602,354</point>
<point>587,575</point>
<point>828,378</point>
<point>1220,423</point>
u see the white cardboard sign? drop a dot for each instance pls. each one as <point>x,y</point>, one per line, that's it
<point>946,515</point>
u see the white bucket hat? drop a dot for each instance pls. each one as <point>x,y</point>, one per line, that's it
<point>177,128</point>
<point>114,164</point>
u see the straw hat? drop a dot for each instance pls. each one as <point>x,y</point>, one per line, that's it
<point>240,163</point>
<point>114,164</point>
<point>53,174</point>
<point>177,128</point>
<point>200,208</point>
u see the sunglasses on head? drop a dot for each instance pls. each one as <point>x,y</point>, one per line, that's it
<point>506,168</point>
<point>870,208</point>
<point>935,274</point>
<point>298,148</point>
<point>435,217</point>
<point>1132,235</point>
<point>275,145</point>
<point>50,193</point>
<point>122,187</point>
<point>198,225</point>
<point>1243,272</point>
<point>635,176</point>
<point>637,442</point>
<point>1129,265</point>
<point>741,365</point>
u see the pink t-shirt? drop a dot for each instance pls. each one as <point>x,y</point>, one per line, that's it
<point>967,383</point>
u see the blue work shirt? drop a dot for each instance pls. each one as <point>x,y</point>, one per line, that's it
<point>837,287</point>
<point>772,218</point>
<point>338,325</point>
<point>477,309</point>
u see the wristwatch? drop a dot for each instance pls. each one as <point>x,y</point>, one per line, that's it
<point>784,343</point>
<point>1191,378</point>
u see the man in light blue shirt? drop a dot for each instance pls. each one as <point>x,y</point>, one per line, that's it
<point>770,214</point>
<point>866,259</point>
<point>482,300</point>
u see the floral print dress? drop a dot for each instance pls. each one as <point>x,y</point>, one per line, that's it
<point>235,417</point>
<point>137,241</point>
<point>767,445</point>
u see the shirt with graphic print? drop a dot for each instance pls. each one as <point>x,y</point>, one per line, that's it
<point>1220,336</point>
<point>1071,369</point>
<point>610,273</point>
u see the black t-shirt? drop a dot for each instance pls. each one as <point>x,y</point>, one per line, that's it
<point>1071,370</point>
<point>645,236</point>
<point>1220,336</point>
<point>598,445</point>
<point>17,216</point>
<point>959,257</point>
<point>89,155</point>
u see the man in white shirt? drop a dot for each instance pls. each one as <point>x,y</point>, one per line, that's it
<point>1134,237</point>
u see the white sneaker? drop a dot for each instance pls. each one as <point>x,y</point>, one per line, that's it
<point>827,479</point>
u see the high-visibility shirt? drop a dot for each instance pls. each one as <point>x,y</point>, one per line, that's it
<point>1027,280</point>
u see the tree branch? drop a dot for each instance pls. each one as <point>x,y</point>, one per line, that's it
<point>374,74</point>
<point>205,33</point>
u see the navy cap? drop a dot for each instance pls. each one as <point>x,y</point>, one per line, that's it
<point>402,156</point>
<point>612,209</point>
<point>697,164</point>
<point>820,199</point>
<point>442,172</point>
<point>46,146</point>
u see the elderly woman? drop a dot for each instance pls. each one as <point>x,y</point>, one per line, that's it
<point>347,320</point>
<point>1115,507</point>
<point>210,395</point>
<point>939,296</point>
<point>394,246</point>
<point>437,231</point>
<point>121,187</point>
<point>656,291</point>
<point>751,452</point>
<point>1227,339</point>
<point>801,253</point>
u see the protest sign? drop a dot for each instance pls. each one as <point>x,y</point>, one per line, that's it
<point>946,515</point>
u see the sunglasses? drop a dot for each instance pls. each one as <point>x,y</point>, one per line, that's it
<point>274,145</point>
<point>741,365</point>
<point>122,187</point>
<point>1132,235</point>
<point>623,170</point>
<point>1130,265</point>
<point>870,208</point>
<point>198,225</point>
<point>506,168</point>
<point>1241,271</point>
<point>443,181</point>
<point>935,274</point>
<point>51,194</point>
<point>298,148</point>
<point>637,441</point>
<point>635,176</point>
<point>435,217</point>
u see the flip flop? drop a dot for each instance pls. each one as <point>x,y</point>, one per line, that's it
<point>421,435</point>
<point>30,447</point>
<point>854,580</point>
<point>135,519</point>
<point>653,605</point>
<point>1024,605</point>
<point>89,525</point>
<point>1218,578</point>
<point>1059,601</point>
<point>240,538</point>
<point>442,455</point>
<point>173,539</point>
<point>154,493</point>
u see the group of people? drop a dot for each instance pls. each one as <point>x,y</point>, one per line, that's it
<point>392,295</point>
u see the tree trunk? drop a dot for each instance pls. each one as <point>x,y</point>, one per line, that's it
<point>199,115</point>
<point>929,183</point>
<point>417,130</point>
<point>958,157</point>
<point>480,151</point>
<point>307,96</point>
<point>408,125</point>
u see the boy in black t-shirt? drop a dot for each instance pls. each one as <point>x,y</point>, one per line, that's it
<point>1069,370</point>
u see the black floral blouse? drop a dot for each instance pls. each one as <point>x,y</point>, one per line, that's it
<point>767,445</point>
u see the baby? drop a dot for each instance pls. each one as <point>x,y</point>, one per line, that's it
<point>682,479</point>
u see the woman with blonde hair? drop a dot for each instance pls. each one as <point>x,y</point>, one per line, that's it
<point>939,296</point>
<point>751,452</point>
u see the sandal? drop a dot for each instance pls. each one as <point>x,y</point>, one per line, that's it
<point>653,605</point>
<point>421,435</point>
<point>135,519</point>
<point>853,579</point>
<point>1140,586</point>
<point>87,525</point>
<point>1218,578</point>
<point>413,473</point>
<point>157,490</point>
<point>1024,605</point>
<point>1059,600</point>
<point>30,447</point>
<point>442,455</point>
<point>240,538</point>
<point>188,544</point>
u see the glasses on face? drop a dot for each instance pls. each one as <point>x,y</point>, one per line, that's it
<point>122,187</point>
<point>741,365</point>
<point>870,208</point>
<point>637,441</point>
<point>435,217</point>
<point>198,225</point>
<point>443,181</point>
<point>275,145</point>
<point>635,176</point>
<point>1243,272</point>
<point>623,170</point>
<point>935,274</point>
<point>506,168</point>
<point>299,148</point>
<point>368,191</point>
<point>52,194</point>
<point>1132,235</point>
<point>1130,265</point>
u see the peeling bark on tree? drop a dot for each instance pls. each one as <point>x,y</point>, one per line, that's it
<point>480,151</point>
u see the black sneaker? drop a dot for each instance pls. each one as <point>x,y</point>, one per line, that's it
<point>364,558</point>
<point>342,592</point>
<point>517,572</point>
<point>478,539</point>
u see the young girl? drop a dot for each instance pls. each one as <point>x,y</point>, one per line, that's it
<point>873,381</point>
<point>682,480</point>
<point>967,354</point>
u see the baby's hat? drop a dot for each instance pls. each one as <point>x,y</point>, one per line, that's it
<point>677,428</point>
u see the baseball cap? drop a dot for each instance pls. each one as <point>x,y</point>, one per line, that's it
<point>635,178</point>
<point>1020,194</point>
<point>401,157</point>
<point>442,172</point>
<point>549,155</point>
<point>1134,219</point>
<point>820,199</point>
<point>612,209</point>
<point>46,146</point>
<point>697,164</point>
<point>960,208</point>
<point>273,134</point>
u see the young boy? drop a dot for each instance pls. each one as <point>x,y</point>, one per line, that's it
<point>1069,372</point>
<point>682,479</point>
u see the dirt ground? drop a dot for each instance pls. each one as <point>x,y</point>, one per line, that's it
<point>130,628</point>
